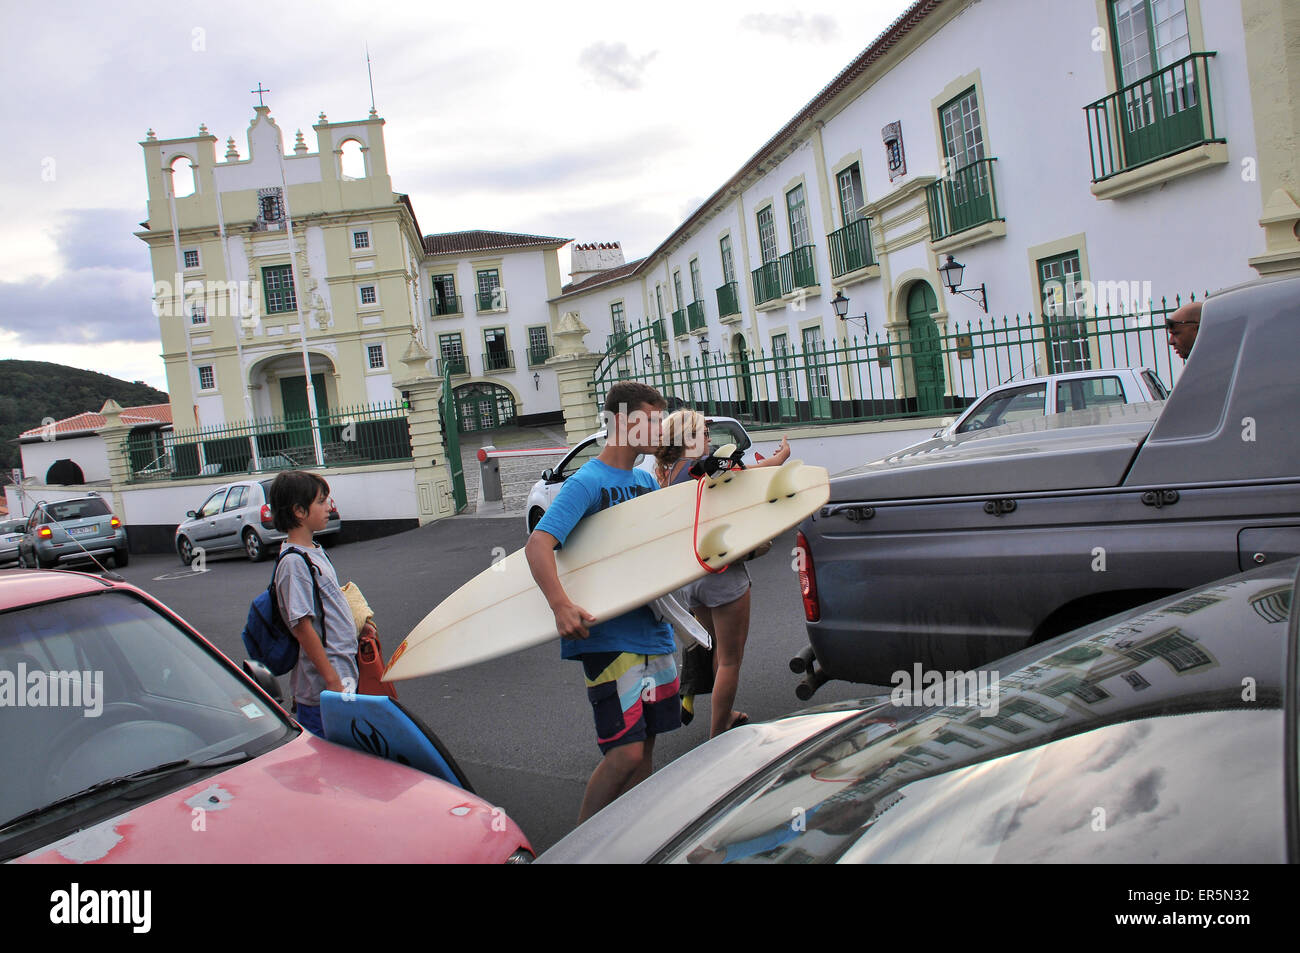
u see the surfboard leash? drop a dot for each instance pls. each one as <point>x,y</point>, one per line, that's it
<point>695,533</point>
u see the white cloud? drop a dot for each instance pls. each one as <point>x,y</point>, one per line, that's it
<point>815,28</point>
<point>613,65</point>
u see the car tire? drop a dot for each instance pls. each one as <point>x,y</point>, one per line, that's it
<point>534,517</point>
<point>253,547</point>
<point>185,549</point>
<point>121,557</point>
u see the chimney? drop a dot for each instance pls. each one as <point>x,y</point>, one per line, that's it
<point>593,257</point>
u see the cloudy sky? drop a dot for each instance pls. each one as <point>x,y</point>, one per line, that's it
<point>597,121</point>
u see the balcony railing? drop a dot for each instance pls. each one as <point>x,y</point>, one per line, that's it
<point>728,299</point>
<point>851,248</point>
<point>540,355</point>
<point>450,304</point>
<point>1157,116</point>
<point>658,330</point>
<point>679,322</point>
<point>798,269</point>
<point>767,282</point>
<point>964,200</point>
<point>451,365</point>
<point>695,315</point>
<point>494,300</point>
<point>498,361</point>
<point>617,342</point>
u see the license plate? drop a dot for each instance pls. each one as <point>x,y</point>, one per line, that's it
<point>82,530</point>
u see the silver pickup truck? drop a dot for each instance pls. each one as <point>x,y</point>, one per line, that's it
<point>955,557</point>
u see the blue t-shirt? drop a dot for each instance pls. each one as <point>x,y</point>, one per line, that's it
<point>597,486</point>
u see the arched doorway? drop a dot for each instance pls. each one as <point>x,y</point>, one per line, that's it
<point>64,473</point>
<point>927,356</point>
<point>484,406</point>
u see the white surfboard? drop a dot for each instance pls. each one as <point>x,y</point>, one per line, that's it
<point>613,562</point>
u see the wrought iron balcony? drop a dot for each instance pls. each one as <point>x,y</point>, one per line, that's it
<point>448,304</point>
<point>695,315</point>
<point>728,299</point>
<point>498,361</point>
<point>767,282</point>
<point>851,248</point>
<point>965,199</point>
<point>798,269</point>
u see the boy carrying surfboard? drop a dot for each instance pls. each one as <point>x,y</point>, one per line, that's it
<point>628,661</point>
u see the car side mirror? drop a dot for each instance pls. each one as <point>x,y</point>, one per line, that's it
<point>265,680</point>
<point>190,514</point>
<point>547,474</point>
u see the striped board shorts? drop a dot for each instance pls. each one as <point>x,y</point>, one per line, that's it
<point>632,696</point>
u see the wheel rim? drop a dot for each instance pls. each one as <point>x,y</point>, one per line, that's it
<point>252,545</point>
<point>187,551</point>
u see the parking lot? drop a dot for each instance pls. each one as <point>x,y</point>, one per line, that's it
<point>521,726</point>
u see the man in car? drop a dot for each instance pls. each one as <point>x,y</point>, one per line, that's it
<point>1182,326</point>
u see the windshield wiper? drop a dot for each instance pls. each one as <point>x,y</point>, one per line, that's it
<point>157,771</point>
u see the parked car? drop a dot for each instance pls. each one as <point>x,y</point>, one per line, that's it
<point>72,531</point>
<point>1011,535</point>
<point>722,431</point>
<point>238,516</point>
<point>1164,734</point>
<point>1046,395</point>
<point>188,760</point>
<point>11,531</point>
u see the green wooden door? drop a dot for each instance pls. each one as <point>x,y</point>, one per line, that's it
<point>1161,114</point>
<point>819,384</point>
<point>293,395</point>
<point>785,401</point>
<point>927,358</point>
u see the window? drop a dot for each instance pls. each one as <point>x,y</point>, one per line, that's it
<point>963,137</point>
<point>728,264</point>
<point>1150,35</point>
<point>207,378</point>
<point>361,239</point>
<point>235,498</point>
<point>490,295</point>
<point>277,287</point>
<point>191,258</point>
<point>453,353</point>
<point>1063,317</point>
<point>496,353</point>
<point>616,316</point>
<point>767,234</point>
<point>1157,386</point>
<point>375,356</point>
<point>270,206</point>
<point>659,299</point>
<point>797,208</point>
<point>677,287</point>
<point>1086,392</point>
<point>850,189</point>
<point>539,345</point>
<point>781,358</point>
<point>696,293</point>
<point>368,294</point>
<point>198,313</point>
<point>444,295</point>
<point>814,355</point>
<point>212,505</point>
<point>1007,406</point>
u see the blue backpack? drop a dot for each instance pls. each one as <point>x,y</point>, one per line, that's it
<point>266,638</point>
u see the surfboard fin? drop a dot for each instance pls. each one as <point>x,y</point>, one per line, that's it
<point>785,483</point>
<point>713,545</point>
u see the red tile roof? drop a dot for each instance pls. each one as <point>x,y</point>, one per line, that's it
<point>89,421</point>
<point>451,243</point>
<point>600,277</point>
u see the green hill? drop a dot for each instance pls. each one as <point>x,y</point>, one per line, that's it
<point>30,391</point>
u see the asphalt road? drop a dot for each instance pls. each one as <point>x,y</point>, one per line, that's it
<point>521,726</point>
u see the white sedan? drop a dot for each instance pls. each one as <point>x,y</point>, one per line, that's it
<point>722,431</point>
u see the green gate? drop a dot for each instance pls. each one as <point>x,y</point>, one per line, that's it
<point>927,358</point>
<point>451,443</point>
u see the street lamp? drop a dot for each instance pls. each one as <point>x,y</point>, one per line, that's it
<point>841,306</point>
<point>537,381</point>
<point>951,273</point>
<point>704,344</point>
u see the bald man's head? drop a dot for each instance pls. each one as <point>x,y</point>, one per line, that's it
<point>1182,326</point>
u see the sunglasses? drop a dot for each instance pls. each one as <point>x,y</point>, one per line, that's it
<point>1170,325</point>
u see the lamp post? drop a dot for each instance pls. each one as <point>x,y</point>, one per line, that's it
<point>951,272</point>
<point>841,306</point>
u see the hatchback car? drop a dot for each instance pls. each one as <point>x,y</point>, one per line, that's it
<point>722,431</point>
<point>238,516</point>
<point>11,531</point>
<point>1157,735</point>
<point>129,738</point>
<point>72,531</point>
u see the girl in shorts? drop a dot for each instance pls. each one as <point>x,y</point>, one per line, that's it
<point>720,600</point>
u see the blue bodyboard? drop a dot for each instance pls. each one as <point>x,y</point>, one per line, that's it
<point>378,725</point>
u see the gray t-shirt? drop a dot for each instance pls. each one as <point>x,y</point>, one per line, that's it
<point>293,591</point>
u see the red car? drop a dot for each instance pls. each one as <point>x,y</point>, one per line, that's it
<point>129,738</point>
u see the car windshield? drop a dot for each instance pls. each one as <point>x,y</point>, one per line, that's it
<point>1113,728</point>
<point>77,509</point>
<point>1006,407</point>
<point>98,687</point>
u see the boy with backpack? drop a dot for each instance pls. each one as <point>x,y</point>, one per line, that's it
<point>310,600</point>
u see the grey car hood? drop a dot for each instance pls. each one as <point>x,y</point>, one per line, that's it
<point>1075,450</point>
<point>639,823</point>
